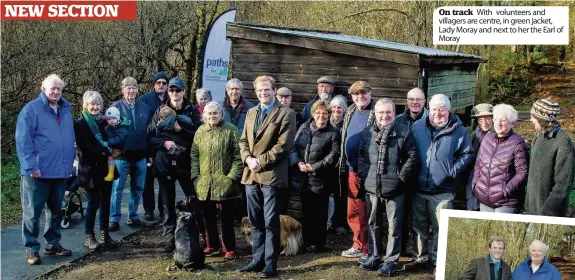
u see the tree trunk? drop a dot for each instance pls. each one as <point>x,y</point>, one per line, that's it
<point>528,55</point>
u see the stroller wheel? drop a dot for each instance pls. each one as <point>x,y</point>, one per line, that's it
<point>65,223</point>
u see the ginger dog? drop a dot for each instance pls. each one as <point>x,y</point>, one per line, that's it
<point>291,238</point>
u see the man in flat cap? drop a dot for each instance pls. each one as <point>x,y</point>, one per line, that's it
<point>284,96</point>
<point>357,117</point>
<point>324,92</point>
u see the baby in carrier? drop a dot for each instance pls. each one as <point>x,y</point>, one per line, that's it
<point>169,126</point>
<point>117,129</point>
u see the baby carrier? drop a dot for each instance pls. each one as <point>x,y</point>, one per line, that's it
<point>72,202</point>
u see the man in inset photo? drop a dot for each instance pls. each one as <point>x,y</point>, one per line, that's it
<point>491,266</point>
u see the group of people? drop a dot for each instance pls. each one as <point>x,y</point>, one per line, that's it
<point>492,266</point>
<point>353,166</point>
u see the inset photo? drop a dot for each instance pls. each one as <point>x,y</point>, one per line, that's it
<point>484,246</point>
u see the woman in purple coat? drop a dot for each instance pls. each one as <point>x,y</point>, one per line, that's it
<point>501,167</point>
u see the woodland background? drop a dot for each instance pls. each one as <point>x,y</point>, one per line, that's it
<point>467,239</point>
<point>169,36</point>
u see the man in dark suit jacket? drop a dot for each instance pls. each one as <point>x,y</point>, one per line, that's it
<point>266,139</point>
<point>491,267</point>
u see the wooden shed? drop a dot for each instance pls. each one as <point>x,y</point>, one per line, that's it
<point>297,58</point>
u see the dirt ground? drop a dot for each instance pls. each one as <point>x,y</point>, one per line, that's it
<point>142,257</point>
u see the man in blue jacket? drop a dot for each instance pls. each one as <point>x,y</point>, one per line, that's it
<point>154,99</point>
<point>536,266</point>
<point>45,147</point>
<point>132,161</point>
<point>445,150</point>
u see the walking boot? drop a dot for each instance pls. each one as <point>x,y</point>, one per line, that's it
<point>91,242</point>
<point>107,240</point>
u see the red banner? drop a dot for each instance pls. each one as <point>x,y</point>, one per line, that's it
<point>69,10</point>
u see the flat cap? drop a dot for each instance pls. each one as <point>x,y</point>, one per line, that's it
<point>481,110</point>
<point>284,91</point>
<point>359,86</point>
<point>326,79</point>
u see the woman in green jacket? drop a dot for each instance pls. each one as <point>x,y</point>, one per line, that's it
<point>216,172</point>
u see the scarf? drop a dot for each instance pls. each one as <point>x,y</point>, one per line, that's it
<point>93,125</point>
<point>381,140</point>
<point>313,126</point>
<point>551,132</point>
<point>235,114</point>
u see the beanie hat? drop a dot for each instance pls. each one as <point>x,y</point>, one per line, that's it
<point>113,113</point>
<point>545,110</point>
<point>161,75</point>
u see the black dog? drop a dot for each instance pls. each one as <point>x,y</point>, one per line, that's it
<point>188,253</point>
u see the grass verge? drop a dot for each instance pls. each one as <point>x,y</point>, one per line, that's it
<point>10,180</point>
<point>141,256</point>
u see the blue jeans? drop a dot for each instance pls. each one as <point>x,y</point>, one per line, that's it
<point>35,193</point>
<point>137,172</point>
<point>426,209</point>
<point>265,221</point>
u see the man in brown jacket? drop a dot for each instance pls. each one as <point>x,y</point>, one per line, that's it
<point>266,139</point>
<point>489,267</point>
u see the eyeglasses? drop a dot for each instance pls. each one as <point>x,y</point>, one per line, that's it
<point>161,83</point>
<point>415,99</point>
<point>177,90</point>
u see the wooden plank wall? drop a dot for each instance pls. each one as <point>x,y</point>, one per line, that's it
<point>299,68</point>
<point>459,85</point>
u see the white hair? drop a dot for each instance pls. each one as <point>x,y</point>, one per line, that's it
<point>339,100</point>
<point>235,82</point>
<point>385,100</point>
<point>540,244</point>
<point>204,92</point>
<point>505,111</point>
<point>49,81</point>
<point>90,97</point>
<point>213,104</point>
<point>129,82</point>
<point>441,100</point>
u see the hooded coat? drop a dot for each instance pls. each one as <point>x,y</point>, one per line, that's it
<point>443,157</point>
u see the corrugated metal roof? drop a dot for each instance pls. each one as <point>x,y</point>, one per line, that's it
<point>342,38</point>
